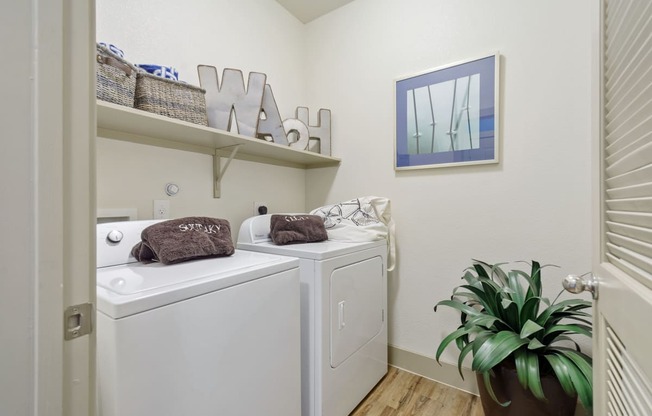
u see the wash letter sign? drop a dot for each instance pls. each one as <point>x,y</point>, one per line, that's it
<point>255,112</point>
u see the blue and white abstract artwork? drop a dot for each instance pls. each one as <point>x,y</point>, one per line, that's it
<point>448,116</point>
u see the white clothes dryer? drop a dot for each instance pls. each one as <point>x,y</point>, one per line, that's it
<point>216,336</point>
<point>343,316</point>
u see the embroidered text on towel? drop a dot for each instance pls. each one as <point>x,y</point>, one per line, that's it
<point>211,229</point>
<point>290,218</point>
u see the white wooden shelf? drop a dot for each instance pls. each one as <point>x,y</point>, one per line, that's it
<point>128,124</point>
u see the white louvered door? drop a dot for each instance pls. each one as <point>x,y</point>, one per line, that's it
<point>623,237</point>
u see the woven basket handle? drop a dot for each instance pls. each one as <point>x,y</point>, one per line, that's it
<point>111,61</point>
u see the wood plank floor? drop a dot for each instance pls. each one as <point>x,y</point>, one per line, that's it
<point>401,393</point>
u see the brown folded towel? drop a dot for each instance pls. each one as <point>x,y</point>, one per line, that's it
<point>297,228</point>
<point>184,239</point>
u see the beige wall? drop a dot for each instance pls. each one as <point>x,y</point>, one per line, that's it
<point>133,176</point>
<point>250,35</point>
<point>534,205</point>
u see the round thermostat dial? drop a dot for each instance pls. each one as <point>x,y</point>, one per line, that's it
<point>171,189</point>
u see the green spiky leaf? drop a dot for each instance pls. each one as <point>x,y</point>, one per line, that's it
<point>450,338</point>
<point>533,375</point>
<point>518,295</point>
<point>496,349</point>
<point>530,328</point>
<point>459,306</point>
<point>561,371</point>
<point>463,353</point>
<point>486,377</point>
<point>535,344</point>
<point>520,359</point>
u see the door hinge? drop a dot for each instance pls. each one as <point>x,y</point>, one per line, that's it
<point>77,321</point>
<point>383,315</point>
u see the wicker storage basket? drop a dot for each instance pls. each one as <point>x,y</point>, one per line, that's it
<point>171,98</point>
<point>116,78</point>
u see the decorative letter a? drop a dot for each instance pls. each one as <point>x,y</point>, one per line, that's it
<point>231,97</point>
<point>271,125</point>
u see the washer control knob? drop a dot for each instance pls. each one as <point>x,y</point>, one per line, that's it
<point>114,236</point>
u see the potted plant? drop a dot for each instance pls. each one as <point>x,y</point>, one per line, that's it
<point>524,359</point>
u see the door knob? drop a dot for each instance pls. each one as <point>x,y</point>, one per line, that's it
<point>578,284</point>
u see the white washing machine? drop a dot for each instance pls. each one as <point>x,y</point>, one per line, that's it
<point>206,337</point>
<point>343,316</point>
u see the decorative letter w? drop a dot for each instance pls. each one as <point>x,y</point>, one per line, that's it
<point>231,97</point>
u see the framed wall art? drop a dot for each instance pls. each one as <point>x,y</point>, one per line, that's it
<point>448,116</point>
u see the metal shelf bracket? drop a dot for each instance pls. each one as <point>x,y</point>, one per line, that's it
<point>218,170</point>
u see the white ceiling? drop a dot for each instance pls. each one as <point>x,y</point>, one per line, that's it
<point>307,10</point>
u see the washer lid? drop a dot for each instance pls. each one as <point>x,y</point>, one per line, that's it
<point>128,289</point>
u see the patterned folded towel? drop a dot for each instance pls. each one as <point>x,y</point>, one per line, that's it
<point>367,218</point>
<point>184,239</point>
<point>297,228</point>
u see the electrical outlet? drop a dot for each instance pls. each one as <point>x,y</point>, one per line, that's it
<point>161,209</point>
<point>257,206</point>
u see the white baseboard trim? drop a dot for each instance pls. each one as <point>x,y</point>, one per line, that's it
<point>429,368</point>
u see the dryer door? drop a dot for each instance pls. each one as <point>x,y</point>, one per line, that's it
<point>356,307</point>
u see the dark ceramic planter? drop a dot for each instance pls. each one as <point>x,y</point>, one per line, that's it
<point>507,387</point>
